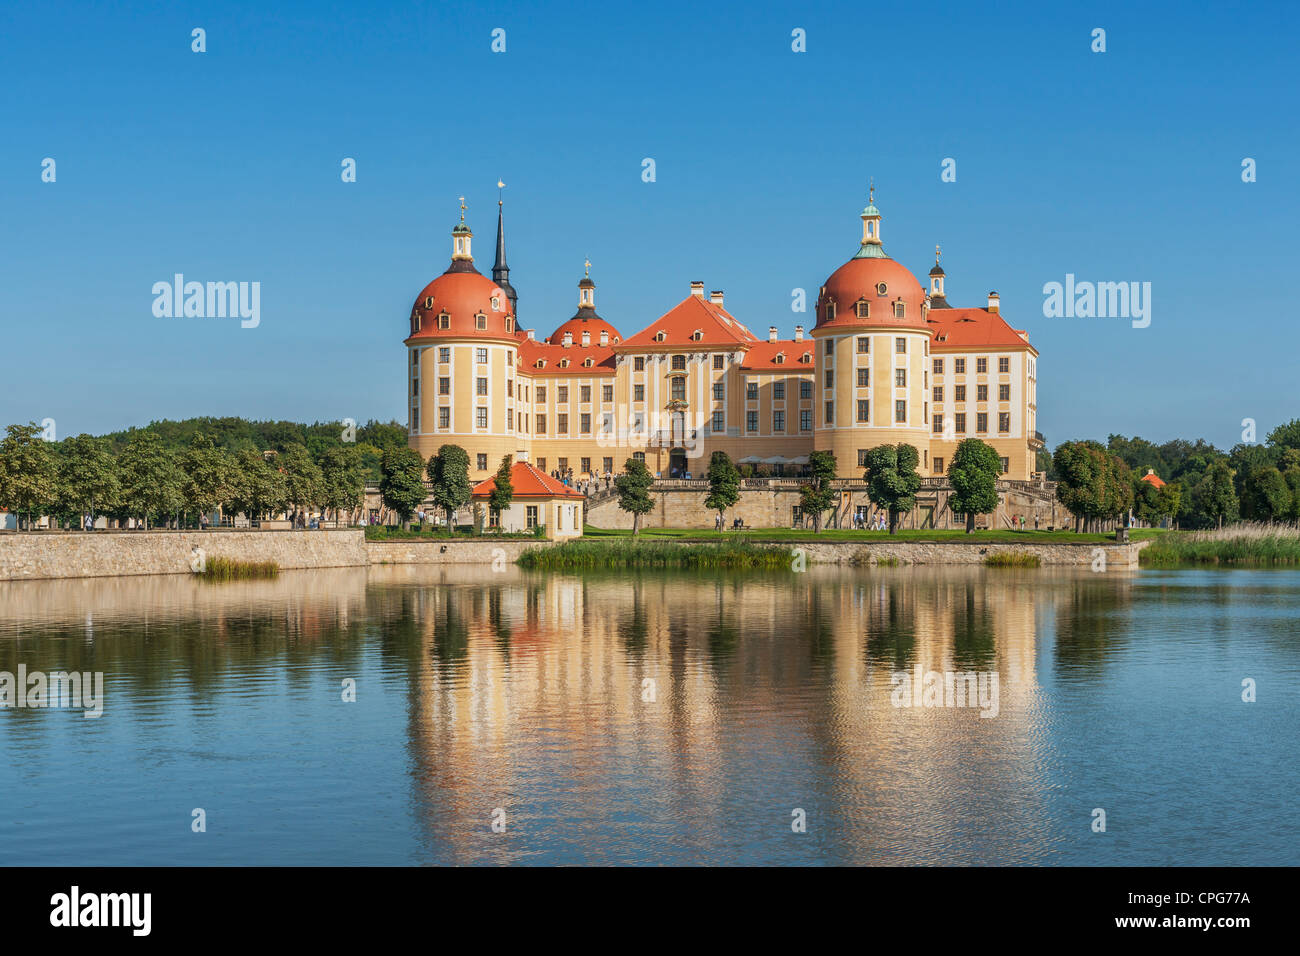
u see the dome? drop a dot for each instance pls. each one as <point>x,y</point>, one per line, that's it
<point>862,278</point>
<point>463,293</point>
<point>580,323</point>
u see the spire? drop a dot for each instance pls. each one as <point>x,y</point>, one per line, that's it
<point>501,271</point>
<point>871,247</point>
<point>937,301</point>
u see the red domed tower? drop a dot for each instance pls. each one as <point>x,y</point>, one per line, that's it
<point>463,352</point>
<point>872,355</point>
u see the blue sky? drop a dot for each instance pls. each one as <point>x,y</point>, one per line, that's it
<point>1115,166</point>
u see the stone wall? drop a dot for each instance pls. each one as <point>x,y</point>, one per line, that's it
<point>37,555</point>
<point>1117,556</point>
<point>680,504</point>
<point>435,551</point>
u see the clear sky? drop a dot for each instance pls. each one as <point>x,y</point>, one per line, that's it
<point>225,166</point>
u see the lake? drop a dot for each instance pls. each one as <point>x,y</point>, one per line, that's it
<point>658,718</point>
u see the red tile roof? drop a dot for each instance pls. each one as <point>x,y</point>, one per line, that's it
<point>761,356</point>
<point>531,352</point>
<point>528,482</point>
<point>972,329</point>
<point>717,327</point>
<point>1152,477</point>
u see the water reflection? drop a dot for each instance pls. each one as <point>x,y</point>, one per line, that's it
<point>647,717</point>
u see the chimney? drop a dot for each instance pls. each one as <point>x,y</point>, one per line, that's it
<point>697,289</point>
<point>771,333</point>
<point>586,339</point>
<point>993,301</point>
<point>604,338</point>
<point>798,333</point>
<point>531,336</point>
<point>567,340</point>
<point>716,297</point>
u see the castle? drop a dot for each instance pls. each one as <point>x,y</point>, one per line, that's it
<point>886,361</point>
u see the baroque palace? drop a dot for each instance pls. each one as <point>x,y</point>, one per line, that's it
<point>886,361</point>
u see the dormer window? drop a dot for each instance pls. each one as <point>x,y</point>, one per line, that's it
<point>564,363</point>
<point>660,336</point>
<point>444,321</point>
<point>496,303</point>
<point>480,322</point>
<point>510,324</point>
<point>540,363</point>
<point>900,309</point>
<point>588,362</point>
<point>697,335</point>
<point>864,309</point>
<point>830,310</point>
<point>428,302</point>
<point>780,358</point>
<point>882,289</point>
<point>415,321</point>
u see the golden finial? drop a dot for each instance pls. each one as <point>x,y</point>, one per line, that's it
<point>500,186</point>
<point>936,254</point>
<point>462,208</point>
<point>588,265</point>
<point>871,193</point>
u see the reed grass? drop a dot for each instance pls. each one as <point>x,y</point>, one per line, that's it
<point>230,569</point>
<point>1248,543</point>
<point>1012,559</point>
<point>626,553</point>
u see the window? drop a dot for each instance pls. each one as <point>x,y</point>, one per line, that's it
<point>608,465</point>
<point>751,391</point>
<point>830,377</point>
<point>564,466</point>
<point>586,466</point>
<point>415,419</point>
<point>530,516</point>
<point>862,457</point>
<point>678,390</point>
<point>1004,364</point>
<point>562,424</point>
<point>937,426</point>
<point>584,394</point>
<point>1004,422</point>
<point>480,417</point>
<point>541,394</point>
<point>864,311</point>
<point>481,461</point>
<point>444,418</point>
<point>900,410</point>
<point>828,348</point>
<point>1004,393</point>
<point>415,361</point>
<point>938,466</point>
<point>805,389</point>
<point>607,422</point>
<point>607,393</point>
<point>444,321</point>
<point>510,356</point>
<point>638,363</point>
<point>864,342</point>
<point>882,289</point>
<point>981,393</point>
<point>936,394</point>
<point>444,354</point>
<point>480,386</point>
<point>900,346</point>
<point>639,456</point>
<point>719,391</point>
<point>864,409</point>
<point>480,322</point>
<point>679,363</point>
<point>541,426</point>
<point>562,394</point>
<point>510,419</point>
<point>959,366</point>
<point>444,386</point>
<point>718,361</point>
<point>805,420</point>
<point>584,425</point>
<point>830,310</point>
<point>541,464</point>
<point>981,422</point>
<point>830,413</point>
<point>415,386</point>
<point>959,393</point>
<point>719,422</point>
<point>751,421</point>
<point>778,421</point>
<point>981,366</point>
<point>480,356</point>
<point>959,423</point>
<point>900,378</point>
<point>638,393</point>
<point>510,388</point>
<point>864,377</point>
<point>1005,464</point>
<point>938,366</point>
<point>900,309</point>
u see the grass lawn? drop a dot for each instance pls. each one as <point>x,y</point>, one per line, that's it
<point>833,534</point>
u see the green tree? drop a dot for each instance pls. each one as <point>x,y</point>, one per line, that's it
<point>973,474</point>
<point>303,481</point>
<point>503,490</point>
<point>449,473</point>
<point>343,479</point>
<point>1147,502</point>
<point>1217,494</point>
<point>1171,499</point>
<point>28,471</point>
<point>208,474</point>
<point>724,485</point>
<point>816,495</point>
<point>402,482</point>
<point>150,478</point>
<point>633,488</point>
<point>1286,435</point>
<point>87,476</point>
<point>1080,468</point>
<point>257,486</point>
<point>892,481</point>
<point>1271,494</point>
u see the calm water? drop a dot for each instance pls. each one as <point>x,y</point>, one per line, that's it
<point>525,692</point>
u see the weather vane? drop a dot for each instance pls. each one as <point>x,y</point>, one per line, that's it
<point>871,194</point>
<point>462,208</point>
<point>588,265</point>
<point>936,254</point>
